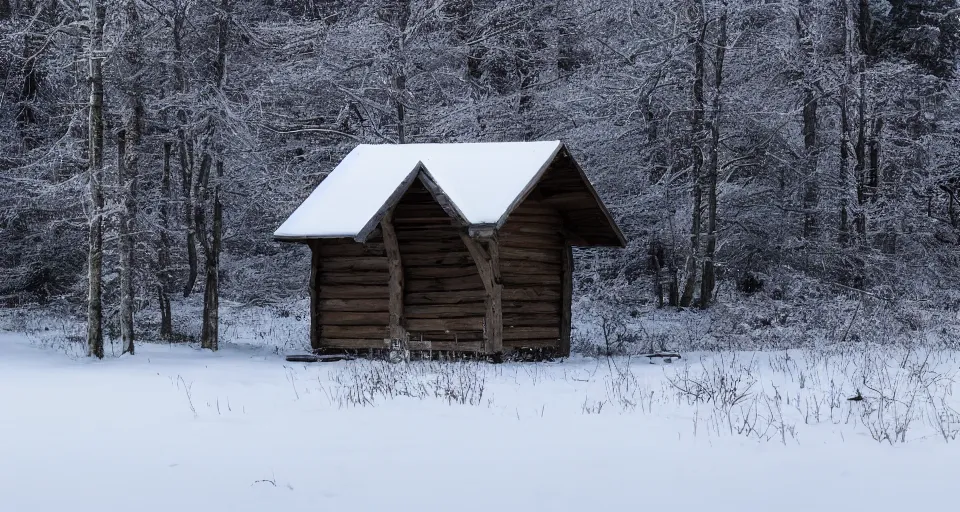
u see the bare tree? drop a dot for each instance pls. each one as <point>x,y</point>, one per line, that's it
<point>95,54</point>
<point>699,29</point>
<point>708,279</point>
<point>212,237</point>
<point>128,145</point>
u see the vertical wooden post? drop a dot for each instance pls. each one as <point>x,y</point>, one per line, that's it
<point>395,267</point>
<point>566,291</point>
<point>488,266</point>
<point>315,327</point>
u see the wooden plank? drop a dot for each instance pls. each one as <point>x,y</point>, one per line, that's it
<point>444,285</point>
<point>447,258</point>
<point>354,292</point>
<point>445,324</point>
<point>354,318</point>
<point>315,325</point>
<point>458,297</point>
<point>354,344</point>
<point>444,272</point>
<point>395,268</point>
<point>352,249</point>
<point>524,333</point>
<point>355,331</point>
<point>532,343</point>
<point>355,305</point>
<point>566,301</point>
<point>430,248</point>
<point>353,264</point>
<point>530,267</point>
<point>463,336</point>
<point>531,294</point>
<point>532,307</point>
<point>358,277</point>
<point>518,217</point>
<point>523,280</point>
<point>533,229</point>
<point>530,320</point>
<point>526,254</point>
<point>448,310</point>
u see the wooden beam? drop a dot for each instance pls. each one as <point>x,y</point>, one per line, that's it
<point>395,269</point>
<point>315,327</point>
<point>566,292</point>
<point>487,259</point>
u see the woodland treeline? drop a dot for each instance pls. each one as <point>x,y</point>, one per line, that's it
<point>148,148</point>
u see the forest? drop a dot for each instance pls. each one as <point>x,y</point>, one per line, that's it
<point>770,162</point>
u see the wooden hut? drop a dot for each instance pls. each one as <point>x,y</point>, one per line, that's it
<point>459,247</point>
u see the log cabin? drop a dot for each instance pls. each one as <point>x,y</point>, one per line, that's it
<point>448,247</point>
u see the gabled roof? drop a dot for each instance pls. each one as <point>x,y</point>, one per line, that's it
<point>477,183</point>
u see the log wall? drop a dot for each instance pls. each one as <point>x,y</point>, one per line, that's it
<point>531,267</point>
<point>443,295</point>
<point>352,297</point>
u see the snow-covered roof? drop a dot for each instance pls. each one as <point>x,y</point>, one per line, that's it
<point>480,182</point>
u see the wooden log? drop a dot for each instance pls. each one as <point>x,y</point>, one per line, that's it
<point>487,259</point>
<point>528,254</point>
<point>354,318</point>
<point>533,333</point>
<point>354,343</point>
<point>522,280</point>
<point>445,324</point>
<point>395,268</point>
<point>358,277</point>
<point>444,272</point>
<point>531,229</point>
<point>352,249</point>
<point>446,258</point>
<point>463,336</point>
<point>430,248</point>
<point>458,297</point>
<point>566,301</point>
<point>531,294</point>
<point>444,285</point>
<point>529,320</point>
<point>530,267</point>
<point>354,264</point>
<point>350,291</point>
<point>455,310</point>
<point>315,325</point>
<point>454,346</point>
<point>356,331</point>
<point>355,305</point>
<point>531,343</point>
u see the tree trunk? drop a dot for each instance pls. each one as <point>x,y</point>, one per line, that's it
<point>185,154</point>
<point>210,335</point>
<point>708,281</point>
<point>125,249</point>
<point>33,43</point>
<point>163,250</point>
<point>845,123</point>
<point>128,152</point>
<point>97,14</point>
<point>811,188</point>
<point>696,129</point>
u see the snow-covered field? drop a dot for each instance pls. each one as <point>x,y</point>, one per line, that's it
<point>175,428</point>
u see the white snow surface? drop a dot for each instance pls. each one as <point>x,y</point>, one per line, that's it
<point>176,428</point>
<point>481,179</point>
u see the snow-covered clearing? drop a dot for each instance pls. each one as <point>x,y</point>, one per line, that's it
<point>175,428</point>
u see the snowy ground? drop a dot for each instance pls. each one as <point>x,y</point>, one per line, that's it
<point>174,428</point>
